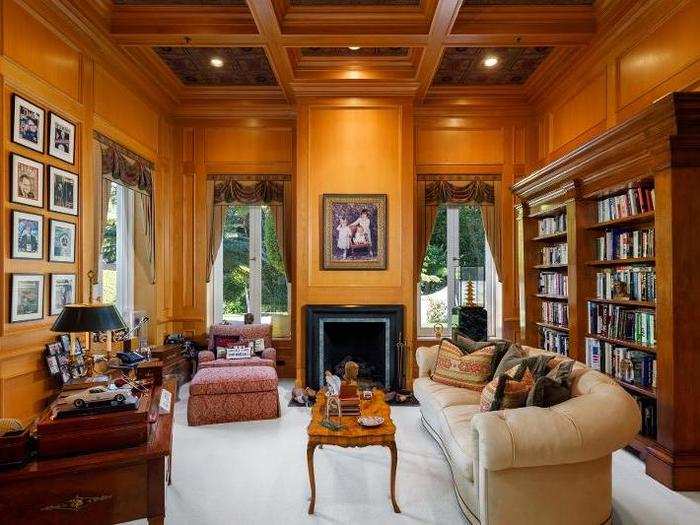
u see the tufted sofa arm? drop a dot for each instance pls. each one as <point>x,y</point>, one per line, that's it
<point>270,353</point>
<point>571,432</point>
<point>205,355</point>
<point>426,356</point>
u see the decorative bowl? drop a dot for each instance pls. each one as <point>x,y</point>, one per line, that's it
<point>370,421</point>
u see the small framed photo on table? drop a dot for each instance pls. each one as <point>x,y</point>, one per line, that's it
<point>27,297</point>
<point>63,191</point>
<point>27,124</point>
<point>27,235</point>
<point>61,138</point>
<point>27,181</point>
<point>61,241</point>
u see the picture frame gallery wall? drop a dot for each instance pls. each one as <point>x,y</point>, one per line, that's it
<point>43,201</point>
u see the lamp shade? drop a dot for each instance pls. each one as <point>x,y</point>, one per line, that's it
<point>88,318</point>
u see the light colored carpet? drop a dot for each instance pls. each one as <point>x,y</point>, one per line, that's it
<point>255,473</point>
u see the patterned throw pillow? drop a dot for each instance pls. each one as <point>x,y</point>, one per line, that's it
<point>226,341</point>
<point>470,371</point>
<point>553,388</point>
<point>506,392</point>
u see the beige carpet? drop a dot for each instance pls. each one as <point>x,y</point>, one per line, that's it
<point>255,473</point>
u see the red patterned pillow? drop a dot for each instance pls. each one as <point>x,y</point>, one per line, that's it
<point>226,341</point>
<point>470,371</point>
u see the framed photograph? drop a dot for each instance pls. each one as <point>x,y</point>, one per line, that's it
<point>62,291</point>
<point>64,340</point>
<point>63,191</point>
<point>27,124</point>
<point>61,138</point>
<point>27,298</point>
<point>27,235</point>
<point>27,179</point>
<point>52,364</point>
<point>61,241</point>
<point>354,232</point>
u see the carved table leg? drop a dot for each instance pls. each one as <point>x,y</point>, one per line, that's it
<point>312,480</point>
<point>394,459</point>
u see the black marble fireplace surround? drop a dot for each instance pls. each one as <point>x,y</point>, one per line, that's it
<point>366,334</point>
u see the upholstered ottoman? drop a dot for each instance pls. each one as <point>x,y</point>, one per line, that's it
<point>234,393</point>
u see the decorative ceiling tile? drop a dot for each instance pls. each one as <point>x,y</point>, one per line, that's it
<point>363,52</point>
<point>180,2</point>
<point>464,65</point>
<point>527,2</point>
<point>341,3</point>
<point>243,66</point>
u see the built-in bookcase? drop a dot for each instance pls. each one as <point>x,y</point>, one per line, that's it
<point>631,198</point>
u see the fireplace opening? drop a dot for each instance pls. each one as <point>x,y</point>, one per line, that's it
<point>361,341</point>
<point>369,335</point>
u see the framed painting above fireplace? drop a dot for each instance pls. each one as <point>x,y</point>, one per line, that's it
<point>354,232</point>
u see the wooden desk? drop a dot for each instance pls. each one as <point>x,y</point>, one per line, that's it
<point>100,488</point>
<point>174,364</point>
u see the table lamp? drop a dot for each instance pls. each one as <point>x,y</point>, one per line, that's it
<point>93,317</point>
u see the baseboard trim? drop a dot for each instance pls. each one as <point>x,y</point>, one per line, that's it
<point>466,511</point>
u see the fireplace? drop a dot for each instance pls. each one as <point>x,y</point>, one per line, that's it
<point>368,335</point>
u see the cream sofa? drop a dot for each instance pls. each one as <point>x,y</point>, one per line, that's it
<point>530,465</point>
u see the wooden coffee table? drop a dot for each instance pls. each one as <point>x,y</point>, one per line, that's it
<point>352,435</point>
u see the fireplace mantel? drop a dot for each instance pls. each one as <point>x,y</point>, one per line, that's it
<point>320,317</point>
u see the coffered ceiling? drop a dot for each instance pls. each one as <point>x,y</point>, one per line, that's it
<point>284,49</point>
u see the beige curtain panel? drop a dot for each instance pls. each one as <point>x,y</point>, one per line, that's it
<point>431,194</point>
<point>227,190</point>
<point>116,163</point>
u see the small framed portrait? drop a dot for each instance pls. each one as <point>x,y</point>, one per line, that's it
<point>61,138</point>
<point>27,177</point>
<point>62,291</point>
<point>27,124</point>
<point>27,297</point>
<point>61,241</point>
<point>27,235</point>
<point>52,364</point>
<point>64,340</point>
<point>63,191</point>
<point>354,232</point>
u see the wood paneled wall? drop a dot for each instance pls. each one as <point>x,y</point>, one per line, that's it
<point>57,74</point>
<point>654,52</point>
<point>219,146</point>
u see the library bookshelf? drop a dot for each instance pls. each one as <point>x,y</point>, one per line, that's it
<point>631,198</point>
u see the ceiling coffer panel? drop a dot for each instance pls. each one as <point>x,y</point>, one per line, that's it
<point>242,66</point>
<point>363,52</point>
<point>181,2</point>
<point>464,66</point>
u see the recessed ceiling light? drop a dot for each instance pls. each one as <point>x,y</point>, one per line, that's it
<point>216,62</point>
<point>490,61</point>
<point>353,48</point>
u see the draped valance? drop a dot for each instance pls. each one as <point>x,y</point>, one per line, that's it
<point>477,192</point>
<point>124,166</point>
<point>231,191</point>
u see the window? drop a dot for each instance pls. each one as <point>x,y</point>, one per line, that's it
<point>117,269</point>
<point>458,240</point>
<point>249,274</point>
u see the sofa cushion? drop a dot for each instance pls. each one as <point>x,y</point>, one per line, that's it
<point>233,380</point>
<point>471,371</point>
<point>552,389</point>
<point>513,356</point>
<point>458,438</point>
<point>506,392</point>
<point>253,361</point>
<point>434,397</point>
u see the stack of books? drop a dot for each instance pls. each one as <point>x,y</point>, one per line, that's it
<point>633,202</point>
<point>555,254</point>
<point>625,244</point>
<point>618,322</point>
<point>555,313</point>
<point>639,283</point>
<point>551,225</point>
<point>349,400</point>
<point>553,283</point>
<point>628,366</point>
<point>554,341</point>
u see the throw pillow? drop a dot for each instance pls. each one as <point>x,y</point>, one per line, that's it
<point>513,356</point>
<point>470,371</point>
<point>506,392</point>
<point>226,341</point>
<point>221,352</point>
<point>467,344</point>
<point>552,389</point>
<point>238,352</point>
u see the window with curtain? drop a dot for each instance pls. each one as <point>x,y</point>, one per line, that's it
<point>249,273</point>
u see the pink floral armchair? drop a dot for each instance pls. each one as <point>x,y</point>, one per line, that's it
<point>235,334</point>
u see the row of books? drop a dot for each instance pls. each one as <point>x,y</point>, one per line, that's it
<point>555,254</point>
<point>553,283</point>
<point>636,283</point>
<point>621,322</point>
<point>630,366</point>
<point>648,409</point>
<point>554,341</point>
<point>633,202</point>
<point>621,244</point>
<point>550,225</point>
<point>554,312</point>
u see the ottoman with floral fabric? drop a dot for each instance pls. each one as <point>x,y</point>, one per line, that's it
<point>236,393</point>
